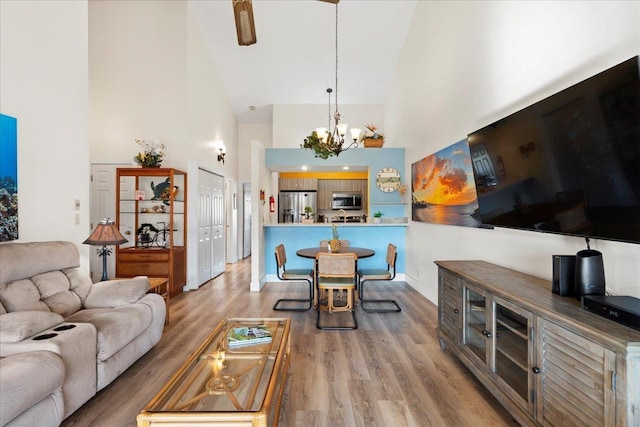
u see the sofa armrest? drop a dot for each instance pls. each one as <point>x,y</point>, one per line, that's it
<point>18,325</point>
<point>115,293</point>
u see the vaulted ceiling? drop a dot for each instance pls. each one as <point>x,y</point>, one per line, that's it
<point>293,61</point>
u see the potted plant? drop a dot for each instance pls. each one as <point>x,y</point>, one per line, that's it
<point>334,243</point>
<point>308,213</point>
<point>377,216</point>
<point>151,154</point>
<point>373,138</point>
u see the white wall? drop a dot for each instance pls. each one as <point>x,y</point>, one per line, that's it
<point>260,180</point>
<point>466,64</point>
<point>248,132</point>
<point>153,78</point>
<point>43,83</point>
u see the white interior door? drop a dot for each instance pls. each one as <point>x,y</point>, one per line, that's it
<point>103,205</point>
<point>246,226</point>
<point>205,212</point>
<point>218,226</point>
<point>211,235</point>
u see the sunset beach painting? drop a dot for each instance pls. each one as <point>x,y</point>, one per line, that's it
<point>443,189</point>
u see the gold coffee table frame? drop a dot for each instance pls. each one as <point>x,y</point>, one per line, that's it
<point>222,386</point>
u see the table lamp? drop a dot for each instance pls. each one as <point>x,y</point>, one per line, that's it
<point>106,233</point>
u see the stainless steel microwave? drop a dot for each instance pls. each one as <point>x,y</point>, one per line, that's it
<point>347,201</point>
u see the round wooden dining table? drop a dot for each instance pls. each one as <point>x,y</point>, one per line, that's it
<point>312,252</point>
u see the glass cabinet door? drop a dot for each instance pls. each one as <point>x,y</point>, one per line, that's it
<point>475,331</point>
<point>512,331</point>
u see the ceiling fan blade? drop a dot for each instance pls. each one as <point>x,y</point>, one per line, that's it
<point>331,1</point>
<point>245,27</point>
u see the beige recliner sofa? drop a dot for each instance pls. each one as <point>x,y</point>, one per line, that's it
<point>98,330</point>
<point>31,389</point>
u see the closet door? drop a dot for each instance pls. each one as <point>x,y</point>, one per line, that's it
<point>211,237</point>
<point>218,227</point>
<point>205,213</point>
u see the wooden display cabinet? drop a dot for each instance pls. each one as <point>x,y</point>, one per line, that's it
<point>546,359</point>
<point>151,212</point>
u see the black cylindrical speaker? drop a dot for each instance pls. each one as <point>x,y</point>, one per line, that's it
<point>589,277</point>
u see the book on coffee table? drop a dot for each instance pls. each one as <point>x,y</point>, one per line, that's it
<point>251,335</point>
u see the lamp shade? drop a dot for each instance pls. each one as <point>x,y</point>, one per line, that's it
<point>106,233</point>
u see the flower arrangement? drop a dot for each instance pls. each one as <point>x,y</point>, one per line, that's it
<point>151,154</point>
<point>372,132</point>
<point>372,137</point>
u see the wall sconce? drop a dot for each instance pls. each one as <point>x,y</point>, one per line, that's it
<point>222,151</point>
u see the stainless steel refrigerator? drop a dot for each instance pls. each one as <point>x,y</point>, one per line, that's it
<point>291,205</point>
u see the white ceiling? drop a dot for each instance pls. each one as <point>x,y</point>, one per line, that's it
<point>293,61</point>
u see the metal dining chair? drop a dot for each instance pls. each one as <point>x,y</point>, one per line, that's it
<point>301,274</point>
<point>366,275</point>
<point>336,272</point>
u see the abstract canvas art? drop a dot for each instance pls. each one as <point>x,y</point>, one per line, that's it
<point>443,189</point>
<point>8,178</point>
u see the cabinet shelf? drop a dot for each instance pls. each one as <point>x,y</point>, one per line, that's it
<point>152,200</point>
<point>512,326</point>
<point>513,347</point>
<point>157,239</point>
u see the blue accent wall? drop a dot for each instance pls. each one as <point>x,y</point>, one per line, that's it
<point>296,237</point>
<point>373,158</point>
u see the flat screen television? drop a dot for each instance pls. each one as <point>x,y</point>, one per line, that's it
<point>568,164</point>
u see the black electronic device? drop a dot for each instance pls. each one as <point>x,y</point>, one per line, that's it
<point>621,309</point>
<point>589,273</point>
<point>564,268</point>
<point>568,164</point>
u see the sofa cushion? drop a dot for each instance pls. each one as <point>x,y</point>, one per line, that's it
<point>55,293</point>
<point>23,260</point>
<point>116,327</point>
<point>21,295</point>
<point>114,293</point>
<point>27,379</point>
<point>15,327</point>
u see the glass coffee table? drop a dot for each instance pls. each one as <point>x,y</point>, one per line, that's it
<point>218,385</point>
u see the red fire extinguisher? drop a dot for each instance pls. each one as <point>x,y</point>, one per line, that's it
<point>272,204</point>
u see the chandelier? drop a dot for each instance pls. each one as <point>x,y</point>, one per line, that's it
<point>329,142</point>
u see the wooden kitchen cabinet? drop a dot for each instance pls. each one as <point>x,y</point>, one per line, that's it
<point>326,188</point>
<point>151,209</point>
<point>547,360</point>
<point>298,184</point>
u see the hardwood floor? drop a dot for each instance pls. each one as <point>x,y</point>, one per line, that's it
<point>388,372</point>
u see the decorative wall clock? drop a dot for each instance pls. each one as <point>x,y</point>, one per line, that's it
<point>388,180</point>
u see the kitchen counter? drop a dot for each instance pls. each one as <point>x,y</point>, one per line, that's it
<point>359,234</point>
<point>340,224</point>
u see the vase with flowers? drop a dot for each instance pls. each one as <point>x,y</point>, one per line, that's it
<point>151,154</point>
